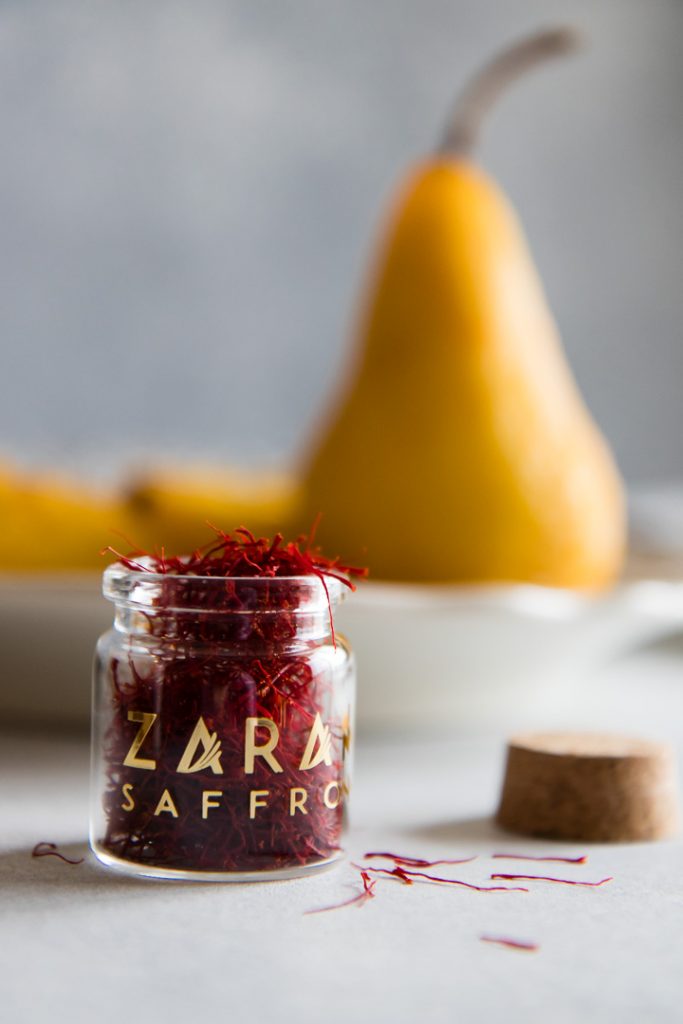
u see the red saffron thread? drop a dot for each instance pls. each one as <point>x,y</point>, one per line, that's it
<point>51,850</point>
<point>527,856</point>
<point>225,650</point>
<point>359,899</point>
<point>417,862</point>
<point>405,876</point>
<point>546,878</point>
<point>529,947</point>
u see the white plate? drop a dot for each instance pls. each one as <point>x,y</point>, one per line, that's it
<point>482,658</point>
<point>470,657</point>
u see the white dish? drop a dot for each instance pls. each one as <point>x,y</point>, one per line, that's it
<point>461,656</point>
<point>482,658</point>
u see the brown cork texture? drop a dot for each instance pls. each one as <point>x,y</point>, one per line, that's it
<point>589,787</point>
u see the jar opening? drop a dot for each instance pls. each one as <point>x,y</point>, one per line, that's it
<point>225,610</point>
<point>221,595</point>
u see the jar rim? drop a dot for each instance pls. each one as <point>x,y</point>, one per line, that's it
<point>136,587</point>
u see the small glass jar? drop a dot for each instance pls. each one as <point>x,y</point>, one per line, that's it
<point>222,723</point>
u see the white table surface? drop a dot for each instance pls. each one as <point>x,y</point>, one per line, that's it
<point>85,944</point>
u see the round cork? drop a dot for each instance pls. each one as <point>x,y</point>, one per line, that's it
<point>590,787</point>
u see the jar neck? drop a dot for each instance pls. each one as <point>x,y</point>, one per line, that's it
<point>255,612</point>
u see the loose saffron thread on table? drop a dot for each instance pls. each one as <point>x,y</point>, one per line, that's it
<point>527,856</point>
<point>416,862</point>
<point>405,876</point>
<point>359,899</point>
<point>546,878</point>
<point>52,850</point>
<point>528,947</point>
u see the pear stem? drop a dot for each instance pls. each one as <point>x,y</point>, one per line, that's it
<point>464,124</point>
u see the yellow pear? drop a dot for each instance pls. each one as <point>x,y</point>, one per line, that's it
<point>460,448</point>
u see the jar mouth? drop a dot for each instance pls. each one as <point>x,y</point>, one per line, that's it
<point>221,595</point>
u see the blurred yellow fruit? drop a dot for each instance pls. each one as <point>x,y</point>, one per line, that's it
<point>173,507</point>
<point>48,524</point>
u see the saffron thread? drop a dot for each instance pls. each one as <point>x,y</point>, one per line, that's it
<point>367,893</point>
<point>526,856</point>
<point>529,947</point>
<point>52,850</point>
<point>546,878</point>
<point>405,876</point>
<point>417,862</point>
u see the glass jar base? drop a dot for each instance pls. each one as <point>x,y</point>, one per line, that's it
<point>132,868</point>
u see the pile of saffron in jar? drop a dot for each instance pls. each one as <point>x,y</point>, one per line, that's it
<point>223,712</point>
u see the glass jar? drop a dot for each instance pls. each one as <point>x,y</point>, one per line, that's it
<point>222,724</point>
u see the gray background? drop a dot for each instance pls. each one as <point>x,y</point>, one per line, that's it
<point>188,194</point>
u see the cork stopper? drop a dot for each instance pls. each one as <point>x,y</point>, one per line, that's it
<point>589,786</point>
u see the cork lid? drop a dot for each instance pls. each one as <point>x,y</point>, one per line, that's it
<point>596,787</point>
